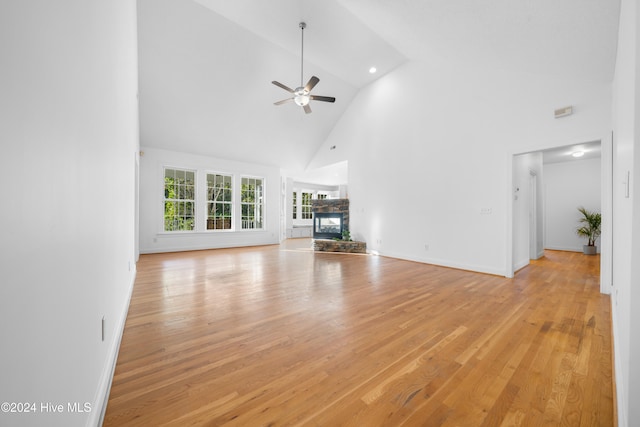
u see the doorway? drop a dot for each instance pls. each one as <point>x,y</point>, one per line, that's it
<point>527,240</point>
<point>527,227</point>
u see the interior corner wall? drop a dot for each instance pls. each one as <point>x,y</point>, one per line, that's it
<point>69,143</point>
<point>625,294</point>
<point>427,163</point>
<point>569,185</point>
<point>152,237</point>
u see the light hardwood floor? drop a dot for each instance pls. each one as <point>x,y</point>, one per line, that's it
<point>278,335</point>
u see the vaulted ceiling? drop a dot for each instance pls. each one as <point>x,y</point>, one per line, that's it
<point>206,66</point>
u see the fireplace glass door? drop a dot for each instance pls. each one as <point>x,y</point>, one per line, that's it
<point>327,225</point>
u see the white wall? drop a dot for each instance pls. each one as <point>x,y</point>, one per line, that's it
<point>626,209</point>
<point>426,159</point>
<point>69,138</point>
<point>569,185</point>
<point>152,237</point>
<point>523,166</point>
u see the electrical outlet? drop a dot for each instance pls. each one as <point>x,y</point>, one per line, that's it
<point>426,247</point>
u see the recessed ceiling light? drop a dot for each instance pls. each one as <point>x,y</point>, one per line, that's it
<point>577,153</point>
<point>372,70</point>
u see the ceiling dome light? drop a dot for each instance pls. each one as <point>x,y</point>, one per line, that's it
<point>301,97</point>
<point>577,153</point>
<point>372,70</point>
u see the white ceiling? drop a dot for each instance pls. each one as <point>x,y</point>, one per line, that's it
<point>591,150</point>
<point>334,38</point>
<point>335,174</point>
<point>573,39</point>
<point>567,38</point>
<point>206,66</point>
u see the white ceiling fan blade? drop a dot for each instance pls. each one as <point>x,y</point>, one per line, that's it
<point>307,109</point>
<point>284,101</point>
<point>288,89</point>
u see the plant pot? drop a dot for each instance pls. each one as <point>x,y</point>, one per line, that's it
<point>589,250</point>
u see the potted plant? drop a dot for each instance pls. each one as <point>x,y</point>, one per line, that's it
<point>346,236</point>
<point>590,229</point>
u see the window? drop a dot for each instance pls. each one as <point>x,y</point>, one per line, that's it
<point>322,196</point>
<point>306,205</point>
<point>252,203</point>
<point>219,203</point>
<point>179,199</point>
<point>295,205</point>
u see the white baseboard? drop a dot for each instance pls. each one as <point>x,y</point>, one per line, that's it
<point>442,263</point>
<point>104,387</point>
<point>520,265</point>
<point>620,395</point>
<point>564,248</point>
<point>187,248</point>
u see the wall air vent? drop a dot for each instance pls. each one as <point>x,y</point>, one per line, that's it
<point>562,112</point>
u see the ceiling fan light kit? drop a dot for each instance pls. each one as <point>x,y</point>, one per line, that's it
<point>302,94</point>
<point>301,98</point>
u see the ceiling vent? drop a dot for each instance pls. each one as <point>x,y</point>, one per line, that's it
<point>562,112</point>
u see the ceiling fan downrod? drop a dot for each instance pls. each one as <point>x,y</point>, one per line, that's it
<point>302,26</point>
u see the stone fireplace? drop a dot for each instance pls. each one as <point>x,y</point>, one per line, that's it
<point>330,219</point>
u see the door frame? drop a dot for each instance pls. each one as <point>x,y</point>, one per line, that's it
<point>533,215</point>
<point>606,177</point>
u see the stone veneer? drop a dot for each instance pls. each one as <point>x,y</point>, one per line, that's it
<point>328,245</point>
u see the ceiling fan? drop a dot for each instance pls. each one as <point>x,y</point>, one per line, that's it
<point>301,95</point>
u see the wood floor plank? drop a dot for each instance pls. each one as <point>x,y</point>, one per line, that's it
<point>282,336</point>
